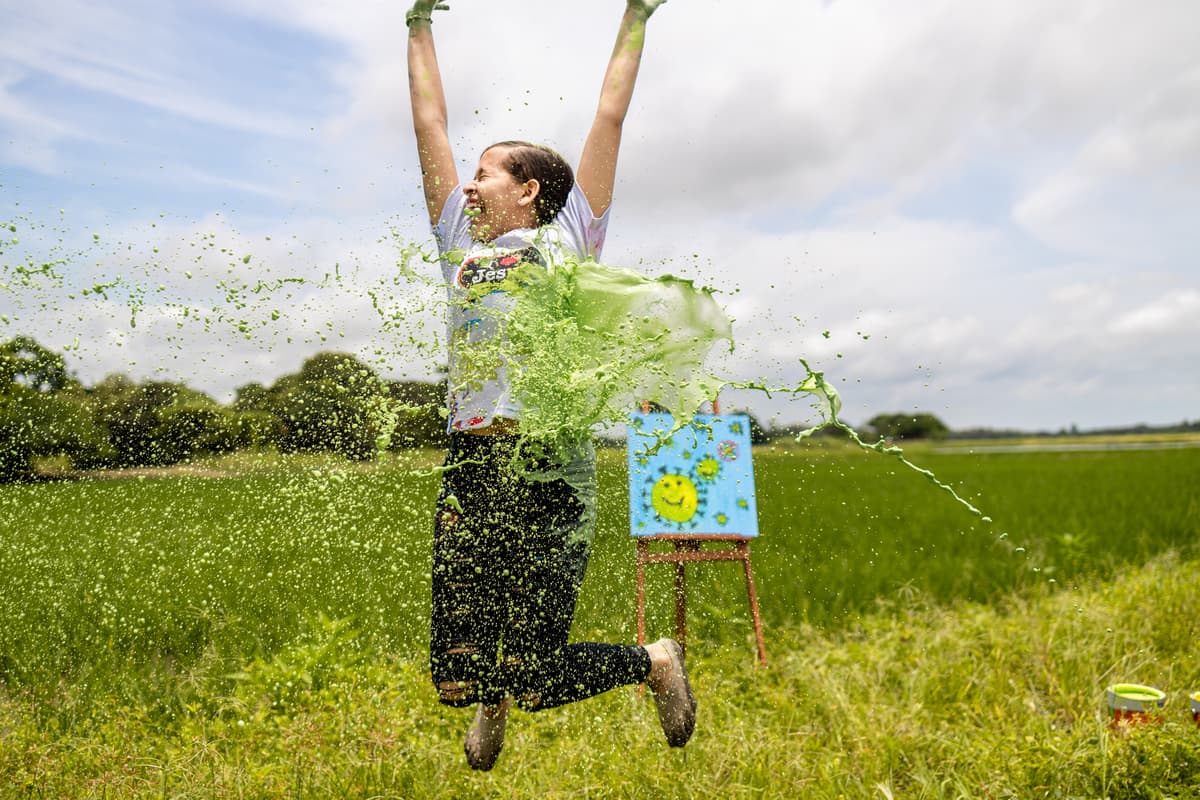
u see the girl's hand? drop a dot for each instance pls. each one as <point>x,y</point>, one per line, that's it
<point>644,8</point>
<point>423,9</point>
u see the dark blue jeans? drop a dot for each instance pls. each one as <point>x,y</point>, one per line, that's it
<point>510,549</point>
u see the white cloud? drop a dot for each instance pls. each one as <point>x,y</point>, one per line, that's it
<point>1174,314</point>
<point>1133,189</point>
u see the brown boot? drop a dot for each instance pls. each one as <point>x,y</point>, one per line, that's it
<point>672,693</point>
<point>485,739</point>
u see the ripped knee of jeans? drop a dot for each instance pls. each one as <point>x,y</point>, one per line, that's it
<point>529,701</point>
<point>457,693</point>
<point>463,690</point>
<point>527,697</point>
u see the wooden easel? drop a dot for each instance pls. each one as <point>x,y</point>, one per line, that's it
<point>687,548</point>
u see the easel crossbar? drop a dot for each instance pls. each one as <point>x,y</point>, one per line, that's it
<point>695,555</point>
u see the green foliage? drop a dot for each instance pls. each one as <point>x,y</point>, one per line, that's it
<point>158,422</point>
<point>34,424</point>
<point>326,416</point>
<point>187,431</point>
<point>420,414</point>
<point>252,397</point>
<point>41,413</point>
<point>908,426</point>
<point>19,438</point>
<point>335,403</point>
<point>257,429</point>
<point>24,362</point>
<point>341,369</point>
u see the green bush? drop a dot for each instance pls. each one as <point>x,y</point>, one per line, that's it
<point>185,432</point>
<point>135,415</point>
<point>419,414</point>
<point>908,426</point>
<point>34,423</point>
<point>324,416</point>
<point>257,429</point>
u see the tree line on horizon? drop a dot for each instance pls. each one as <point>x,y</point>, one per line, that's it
<point>333,404</point>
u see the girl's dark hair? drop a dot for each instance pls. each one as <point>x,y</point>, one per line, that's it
<point>553,174</point>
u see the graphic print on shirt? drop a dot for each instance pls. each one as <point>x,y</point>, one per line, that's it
<point>493,267</point>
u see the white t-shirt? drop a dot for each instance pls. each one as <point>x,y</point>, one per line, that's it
<point>574,233</point>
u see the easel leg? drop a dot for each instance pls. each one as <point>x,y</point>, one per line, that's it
<point>641,592</point>
<point>744,549</point>
<point>681,599</point>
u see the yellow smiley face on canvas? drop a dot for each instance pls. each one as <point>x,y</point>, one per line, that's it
<point>674,497</point>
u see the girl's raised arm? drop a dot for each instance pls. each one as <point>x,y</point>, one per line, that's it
<point>598,165</point>
<point>438,173</point>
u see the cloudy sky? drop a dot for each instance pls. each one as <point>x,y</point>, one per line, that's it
<point>974,209</point>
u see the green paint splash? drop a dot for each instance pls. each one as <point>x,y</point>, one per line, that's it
<point>586,342</point>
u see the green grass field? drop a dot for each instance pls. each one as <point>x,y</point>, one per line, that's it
<point>262,634</point>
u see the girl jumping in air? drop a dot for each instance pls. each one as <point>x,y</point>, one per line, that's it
<point>511,545</point>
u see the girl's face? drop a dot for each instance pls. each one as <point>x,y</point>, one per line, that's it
<point>497,200</point>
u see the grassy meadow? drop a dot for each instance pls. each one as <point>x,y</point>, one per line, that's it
<point>256,627</point>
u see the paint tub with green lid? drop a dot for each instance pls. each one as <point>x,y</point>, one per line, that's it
<point>1132,703</point>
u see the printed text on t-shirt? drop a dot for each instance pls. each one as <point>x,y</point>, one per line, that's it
<point>494,268</point>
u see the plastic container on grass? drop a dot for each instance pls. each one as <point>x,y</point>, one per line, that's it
<point>1134,704</point>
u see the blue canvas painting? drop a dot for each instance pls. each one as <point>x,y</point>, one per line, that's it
<point>700,481</point>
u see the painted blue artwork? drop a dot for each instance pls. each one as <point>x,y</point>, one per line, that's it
<point>700,481</point>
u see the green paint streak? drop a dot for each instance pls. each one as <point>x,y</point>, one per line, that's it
<point>637,36</point>
<point>814,384</point>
